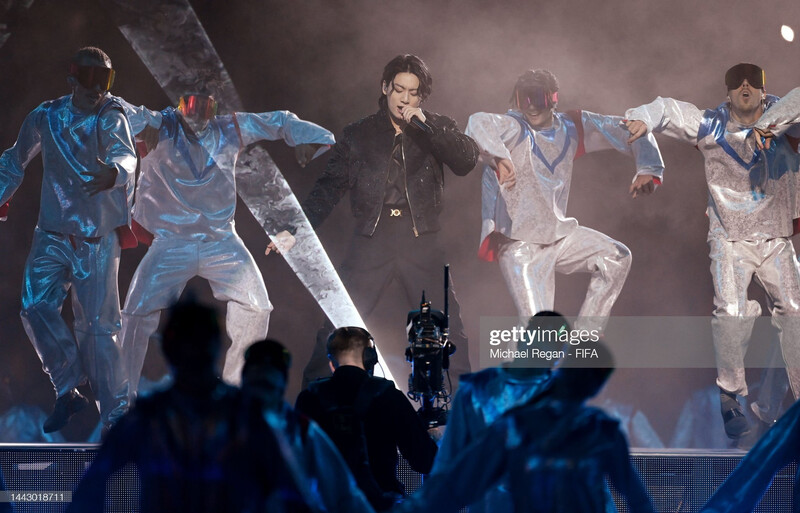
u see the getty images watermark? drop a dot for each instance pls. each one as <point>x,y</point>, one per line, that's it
<point>540,346</point>
<point>629,342</point>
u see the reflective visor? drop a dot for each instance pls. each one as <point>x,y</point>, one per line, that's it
<point>198,106</point>
<point>737,74</point>
<point>91,76</point>
<point>537,96</point>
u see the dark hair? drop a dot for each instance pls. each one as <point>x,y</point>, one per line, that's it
<point>407,63</point>
<point>91,53</point>
<point>192,331</point>
<point>268,353</point>
<point>583,383</point>
<point>535,77</point>
<point>347,338</point>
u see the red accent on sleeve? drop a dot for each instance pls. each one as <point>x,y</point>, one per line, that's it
<point>576,117</point>
<point>142,235</point>
<point>4,209</point>
<point>657,180</point>
<point>488,249</point>
<point>127,239</point>
<point>141,148</point>
<point>238,131</point>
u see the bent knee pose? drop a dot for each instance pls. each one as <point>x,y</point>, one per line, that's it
<point>185,202</point>
<point>528,153</point>
<point>751,205</point>
<point>87,190</point>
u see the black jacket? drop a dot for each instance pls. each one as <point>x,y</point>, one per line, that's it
<point>390,423</point>
<point>360,164</point>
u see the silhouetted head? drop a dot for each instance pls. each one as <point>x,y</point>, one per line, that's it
<point>352,345</point>
<point>545,331</point>
<point>574,382</point>
<point>192,341</point>
<point>266,371</point>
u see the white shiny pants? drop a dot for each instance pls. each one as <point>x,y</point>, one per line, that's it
<point>529,270</point>
<point>56,265</point>
<point>773,264</point>
<point>161,277</point>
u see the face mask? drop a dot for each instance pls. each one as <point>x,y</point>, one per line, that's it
<point>198,106</point>
<point>91,76</point>
<point>536,96</point>
<point>737,74</point>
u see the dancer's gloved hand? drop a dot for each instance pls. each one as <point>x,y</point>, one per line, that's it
<point>506,173</point>
<point>766,135</point>
<point>150,137</point>
<point>304,153</point>
<point>281,243</point>
<point>642,185</point>
<point>636,127</point>
<point>104,178</point>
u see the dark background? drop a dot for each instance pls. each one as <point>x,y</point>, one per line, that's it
<point>322,60</point>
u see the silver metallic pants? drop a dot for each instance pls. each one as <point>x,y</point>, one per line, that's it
<point>161,277</point>
<point>773,264</point>
<point>88,268</point>
<point>529,270</point>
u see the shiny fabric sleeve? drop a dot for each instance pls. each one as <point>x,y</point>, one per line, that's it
<point>746,485</point>
<point>458,434</point>
<point>281,124</point>
<point>140,117</point>
<point>455,149</point>
<point>15,159</point>
<point>492,133</point>
<point>780,117</point>
<point>608,132</point>
<point>118,149</point>
<point>334,481</point>
<point>331,186</point>
<point>679,120</point>
<point>476,469</point>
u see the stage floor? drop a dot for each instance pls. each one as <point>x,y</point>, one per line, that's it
<point>678,480</point>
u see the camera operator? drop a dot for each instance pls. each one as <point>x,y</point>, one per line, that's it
<point>367,418</point>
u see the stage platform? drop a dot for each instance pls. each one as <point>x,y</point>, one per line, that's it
<point>678,480</point>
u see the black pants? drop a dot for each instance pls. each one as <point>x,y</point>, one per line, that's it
<point>371,266</point>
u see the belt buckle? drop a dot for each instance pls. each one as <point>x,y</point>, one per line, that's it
<point>395,212</point>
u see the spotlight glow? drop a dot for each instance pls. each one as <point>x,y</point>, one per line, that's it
<point>787,33</point>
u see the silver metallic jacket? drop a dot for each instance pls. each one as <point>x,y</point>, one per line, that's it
<point>69,140</point>
<point>752,194</point>
<point>200,205</point>
<point>534,210</point>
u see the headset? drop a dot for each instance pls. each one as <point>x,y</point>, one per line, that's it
<point>369,357</point>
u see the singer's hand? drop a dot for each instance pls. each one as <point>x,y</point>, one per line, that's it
<point>410,112</point>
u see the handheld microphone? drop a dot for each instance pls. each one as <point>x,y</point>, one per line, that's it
<point>421,125</point>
